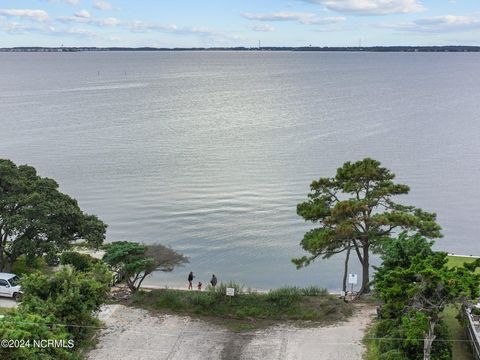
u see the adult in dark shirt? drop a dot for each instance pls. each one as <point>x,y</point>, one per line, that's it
<point>190,280</point>
<point>214,281</point>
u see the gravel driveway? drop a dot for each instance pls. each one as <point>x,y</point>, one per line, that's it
<point>7,303</point>
<point>134,334</point>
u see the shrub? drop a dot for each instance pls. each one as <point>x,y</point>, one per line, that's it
<point>285,296</point>
<point>80,262</point>
<point>412,331</point>
<point>21,268</point>
<point>394,354</point>
<point>67,297</point>
<point>204,300</point>
<point>314,291</point>
<point>171,300</point>
<point>18,325</point>
<point>51,259</point>
<point>221,289</point>
<point>475,311</point>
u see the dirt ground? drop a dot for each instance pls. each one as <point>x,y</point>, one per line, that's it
<point>135,334</point>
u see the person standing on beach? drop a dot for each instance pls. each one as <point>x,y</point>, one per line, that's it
<point>213,281</point>
<point>190,279</point>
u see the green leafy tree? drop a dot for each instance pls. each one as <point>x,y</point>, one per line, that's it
<point>354,211</point>
<point>137,261</point>
<point>415,287</point>
<point>36,218</point>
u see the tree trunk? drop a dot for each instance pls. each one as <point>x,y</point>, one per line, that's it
<point>141,280</point>
<point>345,272</point>
<point>429,338</point>
<point>2,258</point>
<point>2,253</point>
<point>8,262</point>
<point>7,267</point>
<point>5,261</point>
<point>131,285</point>
<point>365,271</point>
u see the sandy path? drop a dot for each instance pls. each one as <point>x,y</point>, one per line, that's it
<point>135,334</point>
<point>7,303</point>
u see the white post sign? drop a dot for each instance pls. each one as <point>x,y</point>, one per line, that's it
<point>230,292</point>
<point>352,279</point>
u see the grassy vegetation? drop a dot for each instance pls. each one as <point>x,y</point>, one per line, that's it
<point>461,349</point>
<point>459,261</point>
<point>371,347</point>
<point>4,311</point>
<point>248,310</point>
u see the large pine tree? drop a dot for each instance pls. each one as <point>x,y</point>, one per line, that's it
<point>354,211</point>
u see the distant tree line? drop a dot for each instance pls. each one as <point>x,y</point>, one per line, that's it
<point>449,48</point>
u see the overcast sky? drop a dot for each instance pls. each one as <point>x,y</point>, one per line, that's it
<point>185,23</point>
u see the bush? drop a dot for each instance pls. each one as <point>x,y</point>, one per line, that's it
<point>68,297</point>
<point>204,300</point>
<point>284,297</point>
<point>412,331</point>
<point>51,259</point>
<point>161,299</point>
<point>18,325</point>
<point>220,292</point>
<point>394,354</point>
<point>314,291</point>
<point>81,262</point>
<point>21,268</point>
<point>475,311</point>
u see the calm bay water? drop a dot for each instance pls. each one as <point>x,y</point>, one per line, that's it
<point>211,152</point>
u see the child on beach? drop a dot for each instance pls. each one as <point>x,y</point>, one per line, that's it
<point>199,286</point>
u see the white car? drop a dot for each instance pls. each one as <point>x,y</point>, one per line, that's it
<point>9,286</point>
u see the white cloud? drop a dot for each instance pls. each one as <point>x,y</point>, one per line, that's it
<point>111,21</point>
<point>14,27</point>
<point>135,26</point>
<point>447,20</point>
<point>69,2</point>
<point>102,5</point>
<point>445,23</point>
<point>301,17</point>
<point>262,28</point>
<point>78,18</point>
<point>38,15</point>
<point>140,26</point>
<point>371,7</point>
<point>82,14</point>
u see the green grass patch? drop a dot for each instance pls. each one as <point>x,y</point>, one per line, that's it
<point>458,261</point>
<point>5,311</point>
<point>460,349</point>
<point>248,310</point>
<point>372,351</point>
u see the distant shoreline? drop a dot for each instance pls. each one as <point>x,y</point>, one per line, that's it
<point>448,48</point>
